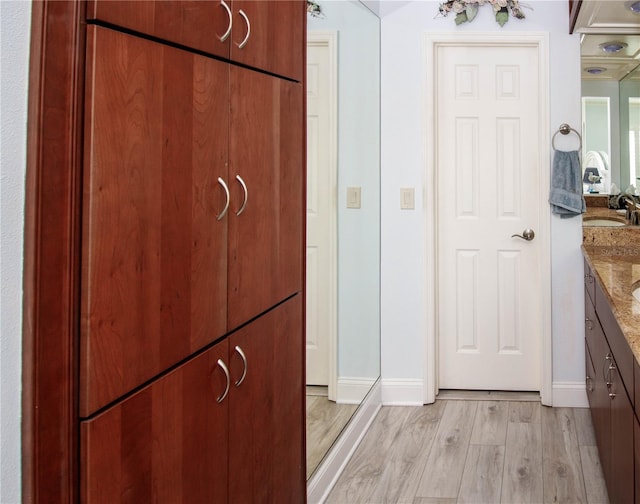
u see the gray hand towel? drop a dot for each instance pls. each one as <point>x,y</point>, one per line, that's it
<point>566,185</point>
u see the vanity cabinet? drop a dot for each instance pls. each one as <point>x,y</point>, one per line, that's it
<point>222,427</point>
<point>611,404</point>
<point>268,35</point>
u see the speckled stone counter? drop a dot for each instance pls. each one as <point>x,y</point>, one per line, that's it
<point>617,267</point>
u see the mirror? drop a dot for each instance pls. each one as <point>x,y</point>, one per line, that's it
<point>343,217</point>
<point>610,95</point>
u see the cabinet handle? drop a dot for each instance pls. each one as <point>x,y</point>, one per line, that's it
<point>612,395</point>
<point>588,278</point>
<point>589,384</point>
<point>589,323</point>
<point>244,362</point>
<point>226,205</point>
<point>246,194</point>
<point>226,373</point>
<point>226,34</point>
<point>246,38</point>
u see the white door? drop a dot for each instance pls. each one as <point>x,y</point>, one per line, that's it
<point>487,169</point>
<point>321,210</point>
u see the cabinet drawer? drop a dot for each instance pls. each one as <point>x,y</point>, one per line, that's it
<point>592,327</point>
<point>618,343</point>
<point>589,282</point>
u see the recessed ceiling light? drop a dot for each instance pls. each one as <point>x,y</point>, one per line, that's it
<point>614,46</point>
<point>595,70</point>
<point>634,6</point>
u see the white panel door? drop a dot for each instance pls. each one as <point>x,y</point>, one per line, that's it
<point>321,211</point>
<point>489,283</point>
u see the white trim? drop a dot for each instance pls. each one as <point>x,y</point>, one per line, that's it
<point>353,390</point>
<point>328,472</point>
<point>329,39</point>
<point>431,42</point>
<point>402,392</point>
<point>570,395</point>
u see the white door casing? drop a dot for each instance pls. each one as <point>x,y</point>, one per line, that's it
<point>321,289</point>
<point>490,307</point>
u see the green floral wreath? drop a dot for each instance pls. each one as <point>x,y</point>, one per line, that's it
<point>466,10</point>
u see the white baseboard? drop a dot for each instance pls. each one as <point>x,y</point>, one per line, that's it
<point>569,395</point>
<point>353,390</point>
<point>326,475</point>
<point>402,392</point>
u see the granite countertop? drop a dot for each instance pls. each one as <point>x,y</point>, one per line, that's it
<point>617,267</point>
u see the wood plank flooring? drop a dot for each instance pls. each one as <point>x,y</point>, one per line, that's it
<point>325,421</point>
<point>475,451</point>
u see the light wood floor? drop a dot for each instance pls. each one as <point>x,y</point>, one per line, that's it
<point>475,452</point>
<point>325,421</point>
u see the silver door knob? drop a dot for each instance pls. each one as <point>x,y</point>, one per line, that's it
<point>527,234</point>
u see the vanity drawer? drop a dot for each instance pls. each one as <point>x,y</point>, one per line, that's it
<point>617,342</point>
<point>589,281</point>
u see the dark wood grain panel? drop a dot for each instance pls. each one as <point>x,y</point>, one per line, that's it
<point>636,437</point>
<point>265,264</point>
<point>266,462</point>
<point>276,41</point>
<point>51,253</point>
<point>621,483</point>
<point>166,443</point>
<point>154,254</point>
<point>617,341</point>
<point>195,24</point>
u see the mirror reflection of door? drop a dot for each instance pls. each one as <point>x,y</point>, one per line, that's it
<point>321,210</point>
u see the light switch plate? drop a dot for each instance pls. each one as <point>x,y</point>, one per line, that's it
<point>353,197</point>
<point>407,198</point>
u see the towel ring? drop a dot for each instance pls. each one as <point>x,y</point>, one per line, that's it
<point>565,129</point>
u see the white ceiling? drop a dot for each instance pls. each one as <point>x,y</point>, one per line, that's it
<point>601,21</point>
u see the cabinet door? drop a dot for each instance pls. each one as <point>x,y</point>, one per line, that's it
<point>266,156</point>
<point>166,443</point>
<point>266,446</point>
<point>621,487</point>
<point>600,401</point>
<point>153,253</point>
<point>270,36</point>
<point>636,442</point>
<point>194,24</point>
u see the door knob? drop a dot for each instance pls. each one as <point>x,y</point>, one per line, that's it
<point>527,234</point>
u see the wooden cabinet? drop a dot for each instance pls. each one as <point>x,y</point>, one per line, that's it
<point>142,269</point>
<point>204,433</point>
<point>167,270</point>
<point>154,283</point>
<point>265,263</point>
<point>260,34</point>
<point>191,345</point>
<point>612,409</point>
<point>166,443</point>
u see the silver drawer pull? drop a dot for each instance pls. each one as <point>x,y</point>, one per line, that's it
<point>246,38</point>
<point>226,373</point>
<point>228,32</point>
<point>226,205</point>
<point>246,194</point>
<point>244,362</point>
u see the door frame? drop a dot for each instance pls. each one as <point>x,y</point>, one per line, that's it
<point>329,39</point>
<point>431,43</point>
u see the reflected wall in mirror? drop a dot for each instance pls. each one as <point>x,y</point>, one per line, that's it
<point>343,218</point>
<point>610,55</point>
